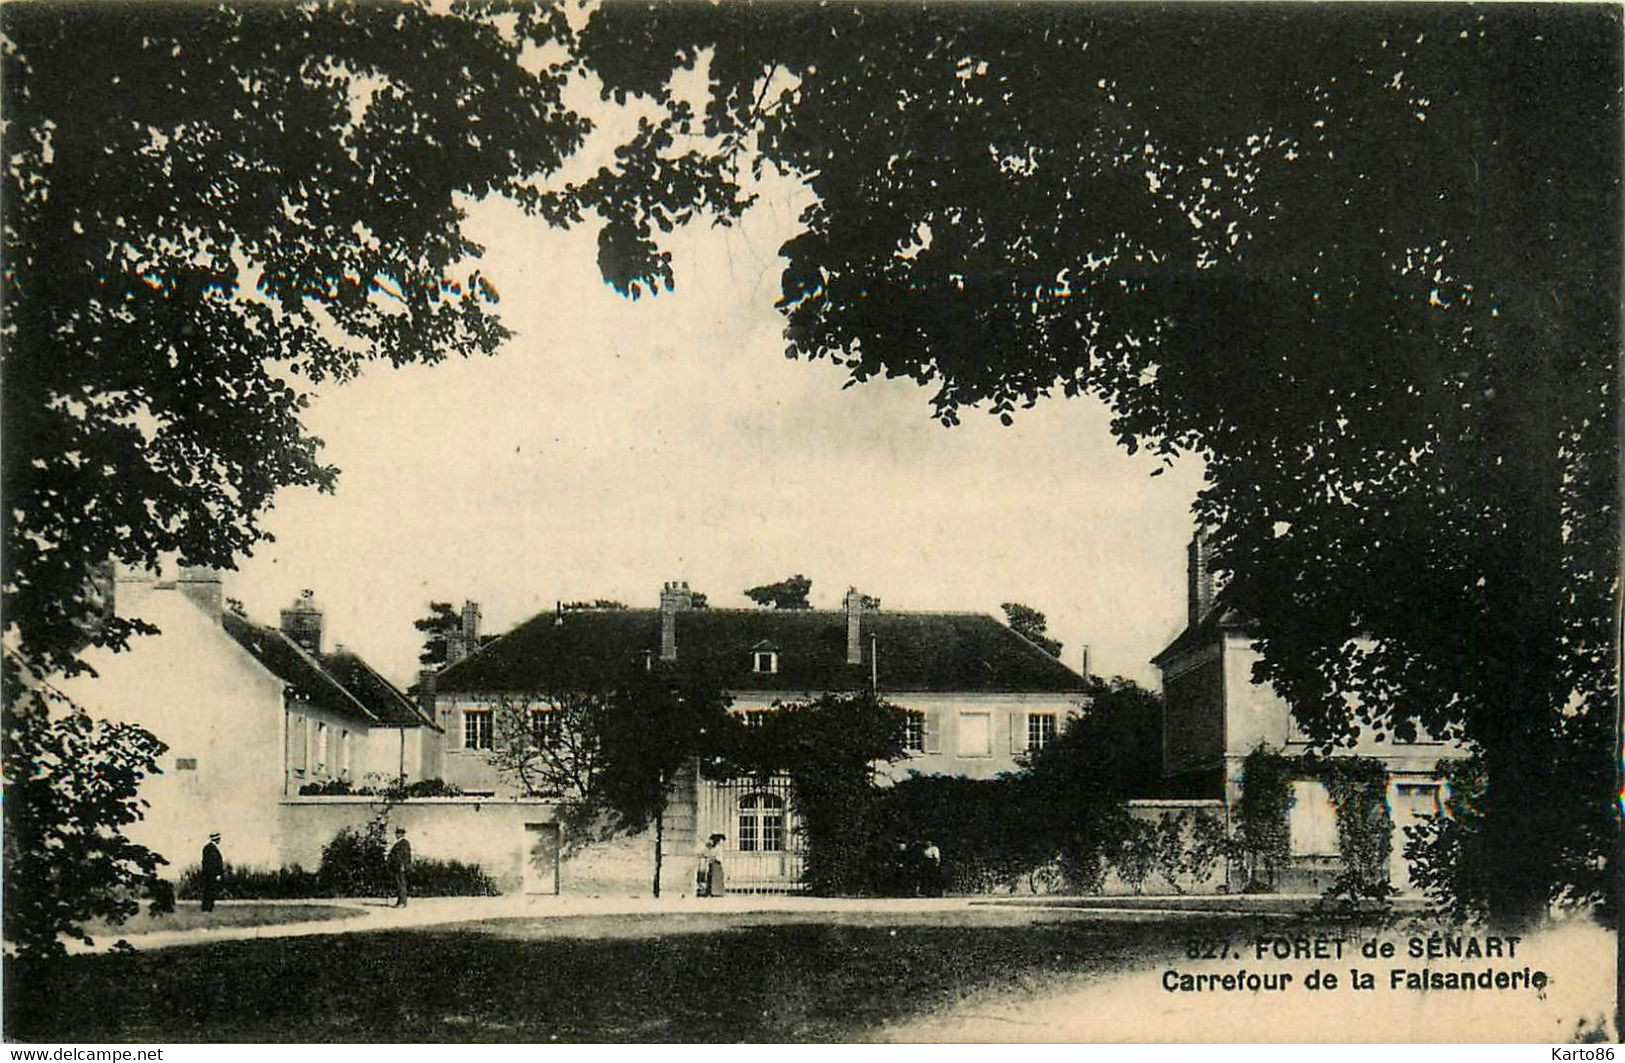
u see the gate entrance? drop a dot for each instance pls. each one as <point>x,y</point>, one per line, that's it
<point>539,863</point>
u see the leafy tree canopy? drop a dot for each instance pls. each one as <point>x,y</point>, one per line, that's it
<point>1112,751</point>
<point>71,789</point>
<point>1031,625</point>
<point>209,211</point>
<point>1376,289</point>
<point>609,751</point>
<point>786,594</point>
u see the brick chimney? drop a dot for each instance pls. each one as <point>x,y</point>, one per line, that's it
<point>854,626</point>
<point>426,692</point>
<point>204,587</point>
<point>302,622</point>
<point>466,639</point>
<point>1199,577</point>
<point>674,598</point>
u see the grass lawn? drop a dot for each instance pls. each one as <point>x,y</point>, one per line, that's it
<point>188,916</point>
<point>762,977</point>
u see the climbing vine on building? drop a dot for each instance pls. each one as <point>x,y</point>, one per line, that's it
<point>1261,817</point>
<point>1358,787</point>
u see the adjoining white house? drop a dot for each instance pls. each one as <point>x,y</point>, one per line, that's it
<point>250,714</point>
<point>979,694</point>
<point>1214,715</point>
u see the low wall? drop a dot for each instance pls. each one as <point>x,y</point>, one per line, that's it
<point>1154,812</point>
<point>489,832</point>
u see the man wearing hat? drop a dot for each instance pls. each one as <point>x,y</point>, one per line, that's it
<point>400,862</point>
<point>213,872</point>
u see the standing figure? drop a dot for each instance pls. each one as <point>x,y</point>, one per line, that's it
<point>931,869</point>
<point>715,880</point>
<point>899,867</point>
<point>400,862</point>
<point>213,872</point>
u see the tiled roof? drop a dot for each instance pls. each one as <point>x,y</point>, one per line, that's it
<point>381,697</point>
<point>934,652</point>
<point>303,674</point>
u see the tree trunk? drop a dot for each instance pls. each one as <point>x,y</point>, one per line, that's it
<point>1517,648</point>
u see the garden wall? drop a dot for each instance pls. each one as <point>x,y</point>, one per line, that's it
<point>493,833</point>
<point>1152,813</point>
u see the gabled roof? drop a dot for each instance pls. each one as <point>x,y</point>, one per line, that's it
<point>381,697</point>
<point>925,652</point>
<point>302,673</point>
<point>1209,627</point>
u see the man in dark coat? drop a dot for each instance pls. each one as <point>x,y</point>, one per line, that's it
<point>400,862</point>
<point>213,872</point>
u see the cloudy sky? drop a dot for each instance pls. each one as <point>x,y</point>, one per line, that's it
<point>613,445</point>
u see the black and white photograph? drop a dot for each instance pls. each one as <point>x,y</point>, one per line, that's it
<point>703,523</point>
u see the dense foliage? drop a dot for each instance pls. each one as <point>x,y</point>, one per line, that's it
<point>396,791</point>
<point>788,593</point>
<point>71,789</point>
<point>354,864</point>
<point>1438,848</point>
<point>1376,289</point>
<point>608,742</point>
<point>313,162</point>
<point>1031,625</point>
<point>1358,789</point>
<point>210,210</point>
<point>829,746</point>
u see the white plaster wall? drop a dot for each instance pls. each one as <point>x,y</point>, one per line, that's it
<point>1008,718</point>
<point>488,832</point>
<point>1256,713</point>
<point>199,692</point>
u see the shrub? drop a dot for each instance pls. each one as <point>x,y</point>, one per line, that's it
<point>393,792</point>
<point>1135,853</point>
<point>424,788</point>
<point>987,842</point>
<point>353,863</point>
<point>450,878</point>
<point>1011,832</point>
<point>331,788</point>
<point>256,883</point>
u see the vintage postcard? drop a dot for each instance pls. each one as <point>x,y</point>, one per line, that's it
<point>862,522</point>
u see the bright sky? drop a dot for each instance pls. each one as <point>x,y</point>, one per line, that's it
<point>613,445</point>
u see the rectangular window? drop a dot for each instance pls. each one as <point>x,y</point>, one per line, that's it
<point>756,717</point>
<point>186,764</point>
<point>766,661</point>
<point>1313,821</point>
<point>773,830</point>
<point>975,734</point>
<point>545,726</point>
<point>1413,801</point>
<point>1040,730</point>
<point>321,748</point>
<point>914,732</point>
<point>344,752</point>
<point>476,728</point>
<point>747,834</point>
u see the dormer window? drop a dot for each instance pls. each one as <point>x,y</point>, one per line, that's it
<point>765,662</point>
